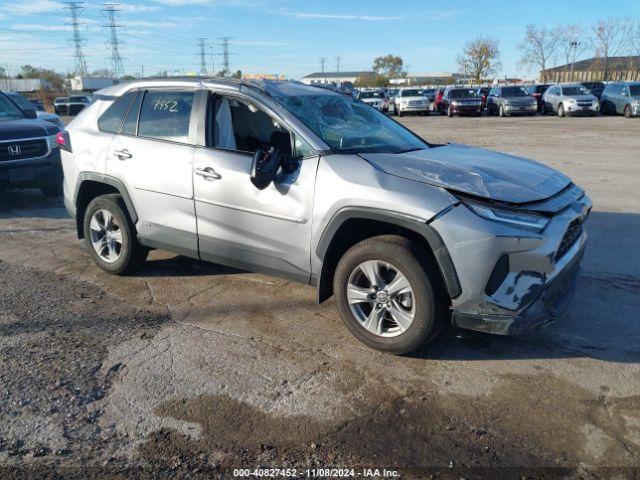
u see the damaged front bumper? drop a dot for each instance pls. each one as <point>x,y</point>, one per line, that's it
<point>513,281</point>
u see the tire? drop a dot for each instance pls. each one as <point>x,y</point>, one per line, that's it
<point>130,255</point>
<point>543,108</point>
<point>52,191</point>
<point>428,299</point>
<point>604,108</point>
<point>399,113</point>
<point>561,112</point>
<point>449,111</point>
<point>501,112</point>
<point>627,111</point>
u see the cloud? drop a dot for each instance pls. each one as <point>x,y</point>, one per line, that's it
<point>133,8</point>
<point>180,3</point>
<point>337,16</point>
<point>148,24</point>
<point>35,27</point>
<point>28,7</point>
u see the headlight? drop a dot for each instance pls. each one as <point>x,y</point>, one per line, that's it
<point>454,102</point>
<point>512,218</point>
<point>572,101</point>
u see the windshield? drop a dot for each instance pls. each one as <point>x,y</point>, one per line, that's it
<point>348,126</point>
<point>371,95</point>
<point>78,99</point>
<point>22,102</point>
<point>634,90</point>
<point>514,92</point>
<point>8,109</point>
<point>574,90</point>
<point>463,93</point>
<point>60,100</point>
<point>411,93</point>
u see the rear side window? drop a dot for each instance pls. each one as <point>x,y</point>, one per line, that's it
<point>111,120</point>
<point>165,115</point>
<point>131,121</point>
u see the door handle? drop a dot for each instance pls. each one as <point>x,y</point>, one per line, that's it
<point>122,154</point>
<point>208,173</point>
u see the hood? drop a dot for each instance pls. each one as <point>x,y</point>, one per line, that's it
<point>417,97</point>
<point>588,97</point>
<point>50,117</point>
<point>25,128</point>
<point>474,171</point>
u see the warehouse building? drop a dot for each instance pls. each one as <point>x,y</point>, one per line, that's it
<point>595,69</point>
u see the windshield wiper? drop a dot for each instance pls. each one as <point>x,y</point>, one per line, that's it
<point>415,149</point>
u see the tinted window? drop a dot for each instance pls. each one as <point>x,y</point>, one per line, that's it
<point>131,121</point>
<point>574,90</point>
<point>8,109</point>
<point>165,115</point>
<point>111,120</point>
<point>78,99</point>
<point>411,93</point>
<point>463,93</point>
<point>514,92</point>
<point>635,90</point>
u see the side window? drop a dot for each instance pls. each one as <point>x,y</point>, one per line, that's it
<point>239,125</point>
<point>302,149</point>
<point>131,121</point>
<point>111,119</point>
<point>165,115</point>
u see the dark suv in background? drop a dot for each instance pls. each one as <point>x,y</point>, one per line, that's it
<point>595,88</point>
<point>29,153</point>
<point>461,101</point>
<point>536,91</point>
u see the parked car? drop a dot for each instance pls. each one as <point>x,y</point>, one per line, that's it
<point>29,154</point>
<point>621,98</point>
<point>511,100</point>
<point>411,100</point>
<point>569,100</point>
<point>70,105</point>
<point>483,92</point>
<point>437,102</point>
<point>25,104</point>
<point>407,235</point>
<point>536,91</point>
<point>461,101</point>
<point>373,97</point>
<point>38,104</point>
<point>594,88</point>
<point>430,93</point>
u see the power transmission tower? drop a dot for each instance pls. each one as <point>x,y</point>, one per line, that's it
<point>323,64</point>
<point>213,68</point>
<point>112,10</point>
<point>224,43</point>
<point>203,61</point>
<point>338,60</point>
<point>80,64</point>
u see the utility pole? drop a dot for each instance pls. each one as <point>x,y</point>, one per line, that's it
<point>203,61</point>
<point>141,71</point>
<point>224,43</point>
<point>213,68</point>
<point>112,10</point>
<point>574,47</point>
<point>323,64</point>
<point>338,60</point>
<point>80,64</point>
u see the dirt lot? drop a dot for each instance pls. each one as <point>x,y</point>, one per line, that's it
<point>189,369</point>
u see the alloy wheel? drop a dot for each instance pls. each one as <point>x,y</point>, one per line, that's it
<point>381,298</point>
<point>106,236</point>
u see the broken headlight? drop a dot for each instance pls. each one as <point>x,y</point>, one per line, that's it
<point>513,218</point>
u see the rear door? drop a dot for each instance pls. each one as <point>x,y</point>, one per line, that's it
<point>153,156</point>
<point>262,230</point>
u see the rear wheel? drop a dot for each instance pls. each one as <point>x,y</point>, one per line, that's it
<point>389,294</point>
<point>110,236</point>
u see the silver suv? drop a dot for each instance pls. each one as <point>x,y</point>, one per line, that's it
<point>315,186</point>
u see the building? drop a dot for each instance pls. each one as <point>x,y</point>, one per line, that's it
<point>333,77</point>
<point>90,84</point>
<point>594,69</point>
<point>24,85</point>
<point>263,76</point>
<point>437,78</point>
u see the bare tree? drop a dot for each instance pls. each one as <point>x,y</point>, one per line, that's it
<point>571,43</point>
<point>610,38</point>
<point>635,39</point>
<point>480,58</point>
<point>538,47</point>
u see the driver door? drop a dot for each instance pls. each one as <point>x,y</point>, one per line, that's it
<point>238,225</point>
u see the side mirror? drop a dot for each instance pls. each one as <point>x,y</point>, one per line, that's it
<point>264,167</point>
<point>30,113</point>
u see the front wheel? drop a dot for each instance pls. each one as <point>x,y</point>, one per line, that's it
<point>389,294</point>
<point>627,111</point>
<point>561,112</point>
<point>110,236</point>
<point>501,112</point>
<point>449,111</point>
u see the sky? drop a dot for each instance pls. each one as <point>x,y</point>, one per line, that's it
<point>285,36</point>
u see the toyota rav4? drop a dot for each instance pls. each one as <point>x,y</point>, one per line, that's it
<point>315,186</point>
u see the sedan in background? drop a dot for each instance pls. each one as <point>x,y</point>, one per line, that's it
<point>25,105</point>
<point>621,98</point>
<point>569,100</point>
<point>411,100</point>
<point>461,101</point>
<point>373,97</point>
<point>536,91</point>
<point>513,100</point>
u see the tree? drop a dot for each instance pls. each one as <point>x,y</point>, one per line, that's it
<point>372,80</point>
<point>389,66</point>
<point>29,71</point>
<point>538,47</point>
<point>635,39</point>
<point>237,75</point>
<point>3,72</point>
<point>571,42</point>
<point>610,38</point>
<point>480,58</point>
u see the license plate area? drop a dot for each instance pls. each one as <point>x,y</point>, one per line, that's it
<point>21,175</point>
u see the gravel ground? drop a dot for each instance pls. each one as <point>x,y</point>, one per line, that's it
<point>189,369</point>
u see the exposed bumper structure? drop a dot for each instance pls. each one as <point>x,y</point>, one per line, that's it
<point>513,280</point>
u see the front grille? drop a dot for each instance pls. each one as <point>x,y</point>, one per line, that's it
<point>415,103</point>
<point>25,148</point>
<point>584,103</point>
<point>570,237</point>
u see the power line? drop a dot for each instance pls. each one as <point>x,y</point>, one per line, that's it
<point>80,64</point>
<point>203,61</point>
<point>112,10</point>
<point>213,68</point>
<point>224,43</point>
<point>323,64</point>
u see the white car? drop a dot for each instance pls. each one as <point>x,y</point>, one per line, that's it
<point>372,97</point>
<point>411,100</point>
